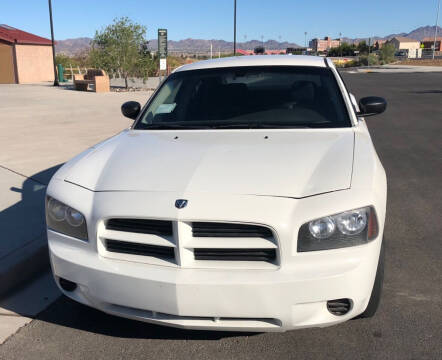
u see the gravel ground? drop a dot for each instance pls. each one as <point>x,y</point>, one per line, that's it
<point>422,62</point>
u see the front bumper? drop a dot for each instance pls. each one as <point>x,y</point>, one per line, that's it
<point>249,300</point>
<point>292,295</point>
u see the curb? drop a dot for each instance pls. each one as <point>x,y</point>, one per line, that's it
<point>24,265</point>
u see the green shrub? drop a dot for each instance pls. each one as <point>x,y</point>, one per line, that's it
<point>369,60</point>
<point>386,54</point>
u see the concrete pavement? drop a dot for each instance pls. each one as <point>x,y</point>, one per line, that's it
<point>41,127</point>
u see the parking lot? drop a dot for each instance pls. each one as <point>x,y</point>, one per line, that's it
<point>408,324</point>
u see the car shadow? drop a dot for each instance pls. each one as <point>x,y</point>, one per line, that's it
<point>428,92</point>
<point>23,229</point>
<point>24,222</point>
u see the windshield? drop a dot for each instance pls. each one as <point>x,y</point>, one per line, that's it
<point>247,97</point>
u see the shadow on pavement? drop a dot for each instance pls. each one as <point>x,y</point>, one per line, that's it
<point>428,92</point>
<point>68,313</point>
<point>25,221</point>
<point>23,244</point>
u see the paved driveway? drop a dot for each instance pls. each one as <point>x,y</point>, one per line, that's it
<point>408,324</point>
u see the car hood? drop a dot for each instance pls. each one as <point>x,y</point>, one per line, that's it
<point>291,163</point>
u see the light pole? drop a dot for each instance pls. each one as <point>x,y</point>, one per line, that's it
<point>234,27</point>
<point>305,39</point>
<point>435,28</point>
<point>53,47</point>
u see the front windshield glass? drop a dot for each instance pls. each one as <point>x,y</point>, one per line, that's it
<point>247,97</point>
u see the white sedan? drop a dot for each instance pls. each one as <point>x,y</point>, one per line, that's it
<point>247,195</point>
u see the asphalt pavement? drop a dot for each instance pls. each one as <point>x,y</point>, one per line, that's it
<point>408,325</point>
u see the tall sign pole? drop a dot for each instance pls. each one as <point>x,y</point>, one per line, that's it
<point>234,27</point>
<point>162,50</point>
<point>53,46</point>
<point>435,29</point>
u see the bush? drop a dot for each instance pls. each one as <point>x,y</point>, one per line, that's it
<point>369,60</point>
<point>386,54</point>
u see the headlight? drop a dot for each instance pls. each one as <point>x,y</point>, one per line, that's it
<point>350,228</point>
<point>64,219</point>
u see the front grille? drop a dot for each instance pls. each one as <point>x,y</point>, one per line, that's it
<point>162,252</point>
<point>204,244</point>
<point>267,255</point>
<point>142,226</point>
<point>229,230</point>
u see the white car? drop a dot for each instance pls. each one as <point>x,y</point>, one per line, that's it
<point>246,196</point>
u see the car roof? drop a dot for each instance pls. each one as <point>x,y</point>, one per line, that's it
<point>256,60</point>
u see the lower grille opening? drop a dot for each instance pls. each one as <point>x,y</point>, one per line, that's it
<point>124,247</point>
<point>238,322</point>
<point>267,255</point>
<point>339,307</point>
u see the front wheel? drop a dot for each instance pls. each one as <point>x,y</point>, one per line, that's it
<point>375,297</point>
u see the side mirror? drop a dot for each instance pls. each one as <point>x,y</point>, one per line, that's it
<point>131,109</point>
<point>371,105</point>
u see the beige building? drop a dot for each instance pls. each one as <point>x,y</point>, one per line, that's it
<point>24,57</point>
<point>410,46</point>
<point>323,45</point>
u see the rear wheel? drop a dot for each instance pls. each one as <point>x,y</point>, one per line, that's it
<point>375,297</point>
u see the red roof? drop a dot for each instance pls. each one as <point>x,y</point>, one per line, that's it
<point>13,35</point>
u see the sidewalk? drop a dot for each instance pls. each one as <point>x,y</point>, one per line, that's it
<point>41,127</point>
<point>395,69</point>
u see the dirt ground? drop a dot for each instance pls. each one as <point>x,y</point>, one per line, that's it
<point>423,62</point>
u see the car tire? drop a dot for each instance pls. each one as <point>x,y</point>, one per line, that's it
<point>376,293</point>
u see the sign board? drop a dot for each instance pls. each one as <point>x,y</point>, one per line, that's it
<point>163,64</point>
<point>162,43</point>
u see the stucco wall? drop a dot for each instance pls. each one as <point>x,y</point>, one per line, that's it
<point>34,63</point>
<point>6,64</point>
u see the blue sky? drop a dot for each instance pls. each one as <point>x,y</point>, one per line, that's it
<point>213,19</point>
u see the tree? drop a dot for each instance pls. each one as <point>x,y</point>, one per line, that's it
<point>122,47</point>
<point>386,54</point>
<point>362,47</point>
<point>345,49</point>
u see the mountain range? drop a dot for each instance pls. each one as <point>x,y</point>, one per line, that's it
<point>78,45</point>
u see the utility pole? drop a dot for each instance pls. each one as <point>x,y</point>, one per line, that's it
<point>340,42</point>
<point>435,29</point>
<point>234,27</point>
<point>211,51</point>
<point>53,46</point>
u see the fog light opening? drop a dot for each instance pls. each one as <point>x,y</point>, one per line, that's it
<point>339,307</point>
<point>67,285</point>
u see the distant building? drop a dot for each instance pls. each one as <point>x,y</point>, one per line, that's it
<point>265,52</point>
<point>24,57</point>
<point>428,43</point>
<point>298,50</point>
<point>410,46</point>
<point>323,45</point>
<point>379,43</point>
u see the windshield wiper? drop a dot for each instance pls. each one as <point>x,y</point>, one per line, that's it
<point>259,125</point>
<point>171,126</point>
<point>234,126</point>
